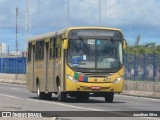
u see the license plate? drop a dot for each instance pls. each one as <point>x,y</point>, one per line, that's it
<point>95,87</point>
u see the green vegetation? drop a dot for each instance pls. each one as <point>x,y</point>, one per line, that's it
<point>148,48</point>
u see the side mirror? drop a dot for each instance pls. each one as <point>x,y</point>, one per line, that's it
<point>65,44</point>
<point>124,44</point>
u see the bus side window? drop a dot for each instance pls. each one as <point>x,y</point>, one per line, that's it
<point>52,47</point>
<point>37,50</point>
<point>58,48</point>
<point>29,51</point>
<point>40,50</point>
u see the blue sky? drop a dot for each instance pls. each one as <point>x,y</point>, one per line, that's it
<point>132,16</point>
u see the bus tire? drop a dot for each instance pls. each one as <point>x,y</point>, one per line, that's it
<point>62,96</point>
<point>41,95</point>
<point>109,97</point>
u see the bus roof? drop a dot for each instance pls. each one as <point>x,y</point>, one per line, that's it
<point>52,34</point>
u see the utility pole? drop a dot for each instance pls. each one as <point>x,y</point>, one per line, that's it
<point>39,10</point>
<point>27,26</point>
<point>17,29</point>
<point>99,13</point>
<point>105,14</point>
<point>68,16</point>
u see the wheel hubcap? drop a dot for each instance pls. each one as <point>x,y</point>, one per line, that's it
<point>38,91</point>
<point>59,88</point>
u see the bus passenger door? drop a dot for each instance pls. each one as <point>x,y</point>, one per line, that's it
<point>32,67</point>
<point>46,51</point>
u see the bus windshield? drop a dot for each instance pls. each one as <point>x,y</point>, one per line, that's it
<point>95,53</point>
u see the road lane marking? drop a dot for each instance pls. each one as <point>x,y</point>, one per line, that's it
<point>151,118</point>
<point>16,89</point>
<point>12,96</point>
<point>62,104</point>
<point>71,106</point>
<point>51,102</point>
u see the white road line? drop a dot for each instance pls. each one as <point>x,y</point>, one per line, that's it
<point>151,118</point>
<point>71,106</point>
<point>16,89</point>
<point>12,96</point>
<point>55,103</point>
<point>11,88</point>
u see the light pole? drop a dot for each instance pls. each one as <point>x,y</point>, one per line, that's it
<point>17,29</point>
<point>68,6</point>
<point>99,13</point>
<point>27,26</point>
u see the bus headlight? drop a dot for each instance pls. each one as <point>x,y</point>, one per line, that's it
<point>71,78</point>
<point>117,80</point>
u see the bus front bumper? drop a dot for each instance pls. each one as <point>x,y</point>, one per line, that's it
<point>93,87</point>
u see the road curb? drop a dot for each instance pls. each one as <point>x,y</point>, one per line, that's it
<point>23,82</point>
<point>142,94</point>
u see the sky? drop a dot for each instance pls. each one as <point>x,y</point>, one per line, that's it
<point>133,17</point>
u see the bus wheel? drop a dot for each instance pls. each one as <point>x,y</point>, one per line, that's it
<point>61,95</point>
<point>41,95</point>
<point>109,97</point>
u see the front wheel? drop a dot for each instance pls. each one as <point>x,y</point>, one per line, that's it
<point>62,96</point>
<point>109,97</point>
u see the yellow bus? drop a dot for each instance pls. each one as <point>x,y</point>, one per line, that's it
<point>79,62</point>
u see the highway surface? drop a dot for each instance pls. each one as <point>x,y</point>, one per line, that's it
<point>15,97</point>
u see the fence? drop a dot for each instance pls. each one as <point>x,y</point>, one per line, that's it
<point>13,65</point>
<point>142,67</point>
<point>137,67</point>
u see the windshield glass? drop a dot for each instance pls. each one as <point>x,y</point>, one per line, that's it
<point>95,53</point>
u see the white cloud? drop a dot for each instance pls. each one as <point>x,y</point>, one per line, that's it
<point>84,12</point>
<point>50,15</point>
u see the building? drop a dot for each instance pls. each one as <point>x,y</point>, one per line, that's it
<point>15,53</point>
<point>3,48</point>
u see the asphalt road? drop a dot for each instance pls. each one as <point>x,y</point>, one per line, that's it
<point>14,97</point>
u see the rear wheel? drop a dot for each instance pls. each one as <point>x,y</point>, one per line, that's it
<point>62,96</point>
<point>41,95</point>
<point>109,97</point>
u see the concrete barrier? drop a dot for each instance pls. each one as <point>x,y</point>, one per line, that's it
<point>134,88</point>
<point>13,78</point>
<point>142,88</point>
